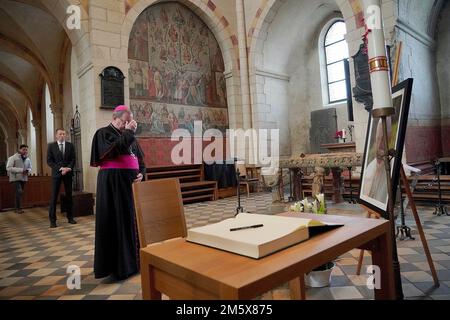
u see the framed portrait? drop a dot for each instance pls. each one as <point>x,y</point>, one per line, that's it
<point>373,191</point>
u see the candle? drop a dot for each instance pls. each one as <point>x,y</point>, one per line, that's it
<point>344,134</point>
<point>378,63</point>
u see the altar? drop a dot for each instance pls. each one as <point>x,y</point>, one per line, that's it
<point>336,162</point>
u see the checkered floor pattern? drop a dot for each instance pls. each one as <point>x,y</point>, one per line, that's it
<point>34,258</point>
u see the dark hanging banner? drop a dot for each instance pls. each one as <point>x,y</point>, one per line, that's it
<point>362,92</point>
<point>351,117</point>
<point>112,87</point>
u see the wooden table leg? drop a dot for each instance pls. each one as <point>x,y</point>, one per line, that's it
<point>297,287</point>
<point>337,185</point>
<point>370,215</point>
<point>382,258</point>
<point>149,291</point>
<point>360,263</point>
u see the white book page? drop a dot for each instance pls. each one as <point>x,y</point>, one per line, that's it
<point>274,227</point>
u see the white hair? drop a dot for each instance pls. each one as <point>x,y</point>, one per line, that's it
<point>119,114</point>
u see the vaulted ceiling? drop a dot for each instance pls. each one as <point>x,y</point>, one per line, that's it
<point>31,47</point>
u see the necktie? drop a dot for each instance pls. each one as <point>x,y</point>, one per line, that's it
<point>61,148</point>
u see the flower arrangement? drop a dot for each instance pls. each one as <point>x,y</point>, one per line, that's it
<point>341,135</point>
<point>318,206</point>
<point>321,276</point>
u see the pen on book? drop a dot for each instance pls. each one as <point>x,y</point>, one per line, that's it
<point>249,227</point>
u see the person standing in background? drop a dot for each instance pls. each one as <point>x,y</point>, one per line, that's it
<point>61,158</point>
<point>18,168</point>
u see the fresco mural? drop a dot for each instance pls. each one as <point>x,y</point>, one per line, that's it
<point>175,64</point>
<point>161,119</point>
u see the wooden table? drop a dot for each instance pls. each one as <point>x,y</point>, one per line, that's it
<point>187,271</point>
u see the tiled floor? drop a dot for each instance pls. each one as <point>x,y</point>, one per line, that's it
<point>34,258</point>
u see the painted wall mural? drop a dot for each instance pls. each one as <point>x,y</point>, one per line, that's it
<point>161,119</point>
<point>176,72</point>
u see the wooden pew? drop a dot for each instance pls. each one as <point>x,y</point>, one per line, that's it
<point>425,191</point>
<point>37,192</point>
<point>193,186</point>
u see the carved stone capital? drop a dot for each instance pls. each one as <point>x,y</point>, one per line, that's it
<point>56,109</point>
<point>36,123</point>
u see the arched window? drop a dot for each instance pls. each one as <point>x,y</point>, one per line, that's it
<point>336,53</point>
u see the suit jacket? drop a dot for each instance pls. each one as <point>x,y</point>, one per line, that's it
<point>56,160</point>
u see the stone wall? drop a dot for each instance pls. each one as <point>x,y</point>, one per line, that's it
<point>443,73</point>
<point>418,61</point>
<point>283,83</point>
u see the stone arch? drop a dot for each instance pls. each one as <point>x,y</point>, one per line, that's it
<point>13,111</point>
<point>16,86</point>
<point>79,38</point>
<point>9,134</point>
<point>211,17</point>
<point>435,14</point>
<point>26,54</point>
<point>5,133</point>
<point>266,14</point>
<point>262,109</point>
<point>65,51</point>
<point>10,120</point>
<point>58,9</point>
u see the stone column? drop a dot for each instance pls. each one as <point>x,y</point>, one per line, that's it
<point>37,127</point>
<point>244,77</point>
<point>57,116</point>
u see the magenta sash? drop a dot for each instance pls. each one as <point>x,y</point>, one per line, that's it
<point>122,162</point>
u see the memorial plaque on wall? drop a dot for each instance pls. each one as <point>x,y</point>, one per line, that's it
<point>362,92</point>
<point>112,87</point>
<point>323,129</point>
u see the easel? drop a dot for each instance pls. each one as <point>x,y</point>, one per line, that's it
<point>383,114</point>
<point>412,204</point>
<point>403,231</point>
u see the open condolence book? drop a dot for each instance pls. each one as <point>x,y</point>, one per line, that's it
<point>256,235</point>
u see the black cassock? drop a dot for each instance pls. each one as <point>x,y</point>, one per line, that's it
<point>116,236</point>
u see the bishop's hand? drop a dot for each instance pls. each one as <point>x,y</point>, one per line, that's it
<point>131,125</point>
<point>139,178</point>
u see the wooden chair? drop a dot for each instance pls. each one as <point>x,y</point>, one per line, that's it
<point>159,211</point>
<point>160,217</point>
<point>245,180</point>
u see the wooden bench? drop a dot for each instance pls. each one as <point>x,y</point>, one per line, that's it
<point>426,189</point>
<point>193,186</point>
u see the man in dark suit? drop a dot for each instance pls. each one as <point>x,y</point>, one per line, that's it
<point>61,158</point>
